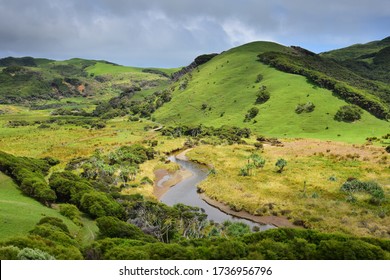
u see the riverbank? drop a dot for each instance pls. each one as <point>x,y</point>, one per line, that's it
<point>164,181</point>
<point>277,221</point>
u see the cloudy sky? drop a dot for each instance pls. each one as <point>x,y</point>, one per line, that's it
<point>170,33</point>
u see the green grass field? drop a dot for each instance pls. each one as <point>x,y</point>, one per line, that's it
<point>227,86</point>
<point>19,213</point>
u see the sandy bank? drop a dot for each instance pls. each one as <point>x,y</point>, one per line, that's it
<point>165,180</point>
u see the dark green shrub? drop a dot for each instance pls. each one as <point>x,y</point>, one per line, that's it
<point>348,113</point>
<point>113,227</point>
<point>262,96</point>
<point>9,253</point>
<point>259,78</point>
<point>98,204</point>
<point>281,164</point>
<point>252,113</point>
<point>54,222</point>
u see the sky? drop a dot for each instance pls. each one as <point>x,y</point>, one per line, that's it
<point>171,33</point>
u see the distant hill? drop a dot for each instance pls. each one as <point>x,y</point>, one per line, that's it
<point>254,86</point>
<point>370,60</point>
<point>29,80</point>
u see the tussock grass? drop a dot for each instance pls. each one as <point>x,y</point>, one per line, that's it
<point>303,191</point>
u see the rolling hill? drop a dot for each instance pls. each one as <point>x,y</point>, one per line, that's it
<point>30,80</point>
<point>223,91</point>
<point>370,60</point>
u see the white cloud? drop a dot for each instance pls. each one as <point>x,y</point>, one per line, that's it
<point>239,33</point>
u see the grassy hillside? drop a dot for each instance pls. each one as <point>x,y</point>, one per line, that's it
<point>358,51</point>
<point>371,60</point>
<point>29,81</point>
<point>19,213</point>
<point>224,89</point>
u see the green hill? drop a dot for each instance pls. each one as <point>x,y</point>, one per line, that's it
<point>222,92</point>
<point>370,60</point>
<point>19,213</point>
<point>29,80</point>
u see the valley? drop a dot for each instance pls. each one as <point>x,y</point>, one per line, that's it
<point>283,134</point>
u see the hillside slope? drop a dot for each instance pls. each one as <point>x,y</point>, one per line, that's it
<point>222,91</point>
<point>370,60</point>
<point>30,80</point>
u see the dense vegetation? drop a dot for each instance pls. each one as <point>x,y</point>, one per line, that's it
<point>50,239</point>
<point>30,175</point>
<point>369,95</point>
<point>370,60</point>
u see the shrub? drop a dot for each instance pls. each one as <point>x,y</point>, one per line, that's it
<point>98,204</point>
<point>54,222</point>
<point>71,211</point>
<point>388,149</point>
<point>262,97</point>
<point>348,113</point>
<point>259,78</point>
<point>9,253</point>
<point>113,227</point>
<point>281,163</point>
<point>252,113</point>
<point>370,187</point>
<point>34,254</point>
<point>305,108</point>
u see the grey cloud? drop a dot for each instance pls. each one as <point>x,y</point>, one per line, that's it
<point>173,32</point>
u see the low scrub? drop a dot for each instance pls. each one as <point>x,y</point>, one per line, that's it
<point>348,113</point>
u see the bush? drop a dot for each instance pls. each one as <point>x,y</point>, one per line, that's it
<point>54,222</point>
<point>71,211</point>
<point>370,187</point>
<point>281,163</point>
<point>252,113</point>
<point>348,113</point>
<point>34,254</point>
<point>259,78</point>
<point>98,204</point>
<point>9,253</point>
<point>262,96</point>
<point>305,108</point>
<point>113,227</point>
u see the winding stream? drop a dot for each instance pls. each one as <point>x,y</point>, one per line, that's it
<point>186,193</point>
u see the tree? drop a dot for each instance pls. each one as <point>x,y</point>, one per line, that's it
<point>281,163</point>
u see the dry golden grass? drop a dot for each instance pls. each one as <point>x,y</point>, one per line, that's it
<point>303,191</point>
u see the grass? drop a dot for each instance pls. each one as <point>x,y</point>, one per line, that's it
<point>65,141</point>
<point>355,51</point>
<point>304,190</point>
<point>227,85</point>
<point>101,68</point>
<point>19,214</point>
